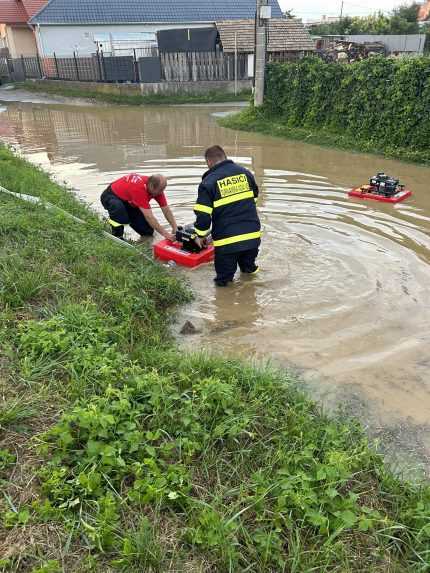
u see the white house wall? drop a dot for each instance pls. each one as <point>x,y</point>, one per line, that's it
<point>64,40</point>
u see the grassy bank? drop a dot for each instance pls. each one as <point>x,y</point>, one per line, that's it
<point>118,453</point>
<point>215,96</point>
<point>257,121</point>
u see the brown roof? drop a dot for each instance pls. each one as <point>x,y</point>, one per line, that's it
<point>12,12</point>
<point>32,7</point>
<point>285,35</point>
<point>19,11</point>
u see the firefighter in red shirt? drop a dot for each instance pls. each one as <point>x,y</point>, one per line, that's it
<point>127,201</point>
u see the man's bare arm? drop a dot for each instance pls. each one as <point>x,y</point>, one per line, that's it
<point>167,212</point>
<point>152,220</point>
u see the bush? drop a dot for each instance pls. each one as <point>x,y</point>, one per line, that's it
<point>380,101</point>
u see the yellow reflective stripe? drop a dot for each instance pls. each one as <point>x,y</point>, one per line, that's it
<point>203,208</point>
<point>237,239</point>
<point>233,199</point>
<point>257,270</point>
<point>115,224</point>
<point>201,233</point>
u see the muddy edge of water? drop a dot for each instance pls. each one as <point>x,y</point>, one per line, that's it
<point>344,293</point>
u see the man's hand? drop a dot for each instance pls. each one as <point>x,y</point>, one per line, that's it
<point>169,236</point>
<point>201,242</point>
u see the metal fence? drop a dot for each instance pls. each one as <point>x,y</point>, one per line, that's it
<point>140,67</point>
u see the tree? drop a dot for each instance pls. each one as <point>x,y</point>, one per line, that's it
<point>402,20</point>
<point>408,12</point>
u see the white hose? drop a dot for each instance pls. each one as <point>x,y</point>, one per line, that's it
<point>39,201</point>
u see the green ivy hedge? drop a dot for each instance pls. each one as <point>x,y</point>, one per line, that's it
<point>383,101</point>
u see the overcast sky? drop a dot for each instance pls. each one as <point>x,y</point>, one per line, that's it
<point>309,9</point>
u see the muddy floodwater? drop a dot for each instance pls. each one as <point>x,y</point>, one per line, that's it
<point>344,292</point>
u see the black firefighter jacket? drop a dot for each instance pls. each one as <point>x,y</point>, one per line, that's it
<point>227,202</point>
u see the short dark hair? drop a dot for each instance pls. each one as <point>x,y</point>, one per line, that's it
<point>154,182</point>
<point>215,154</point>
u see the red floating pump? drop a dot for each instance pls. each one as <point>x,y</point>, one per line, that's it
<point>185,250</point>
<point>168,251</point>
<point>382,188</point>
<point>360,194</point>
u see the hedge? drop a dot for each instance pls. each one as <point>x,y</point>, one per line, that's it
<point>382,101</point>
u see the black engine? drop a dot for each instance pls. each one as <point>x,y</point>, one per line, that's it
<point>186,236</point>
<point>385,185</point>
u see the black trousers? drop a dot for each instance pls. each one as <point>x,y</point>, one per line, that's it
<point>226,264</point>
<point>122,213</point>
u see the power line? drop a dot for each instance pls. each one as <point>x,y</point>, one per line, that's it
<point>365,9</point>
<point>332,12</point>
<point>356,13</point>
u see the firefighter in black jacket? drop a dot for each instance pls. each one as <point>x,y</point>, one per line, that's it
<point>227,202</point>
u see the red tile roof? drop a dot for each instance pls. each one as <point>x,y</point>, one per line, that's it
<point>32,7</point>
<point>19,11</point>
<point>12,12</point>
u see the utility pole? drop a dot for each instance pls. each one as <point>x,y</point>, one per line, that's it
<point>341,10</point>
<point>261,18</point>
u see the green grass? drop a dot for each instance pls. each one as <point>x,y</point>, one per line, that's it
<point>260,122</point>
<point>15,411</point>
<point>135,457</point>
<point>62,89</point>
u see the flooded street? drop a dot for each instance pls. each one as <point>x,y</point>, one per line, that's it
<point>344,292</point>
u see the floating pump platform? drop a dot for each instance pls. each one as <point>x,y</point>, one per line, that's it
<point>173,251</point>
<point>383,188</point>
<point>361,193</point>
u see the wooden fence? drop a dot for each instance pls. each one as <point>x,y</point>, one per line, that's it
<point>202,66</point>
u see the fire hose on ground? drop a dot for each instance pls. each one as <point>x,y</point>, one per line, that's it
<point>41,202</point>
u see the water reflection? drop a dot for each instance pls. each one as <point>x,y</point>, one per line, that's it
<point>344,289</point>
<point>236,308</point>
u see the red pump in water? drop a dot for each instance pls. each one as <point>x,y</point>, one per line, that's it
<point>382,188</point>
<point>184,251</point>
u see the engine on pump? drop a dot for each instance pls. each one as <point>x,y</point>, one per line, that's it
<point>186,235</point>
<point>385,185</point>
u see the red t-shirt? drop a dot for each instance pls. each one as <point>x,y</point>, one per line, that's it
<point>133,188</point>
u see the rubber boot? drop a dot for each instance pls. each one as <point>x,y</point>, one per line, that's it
<point>118,232</point>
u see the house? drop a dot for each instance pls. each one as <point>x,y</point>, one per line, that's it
<point>287,39</point>
<point>17,38</point>
<point>85,26</point>
<point>424,12</point>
